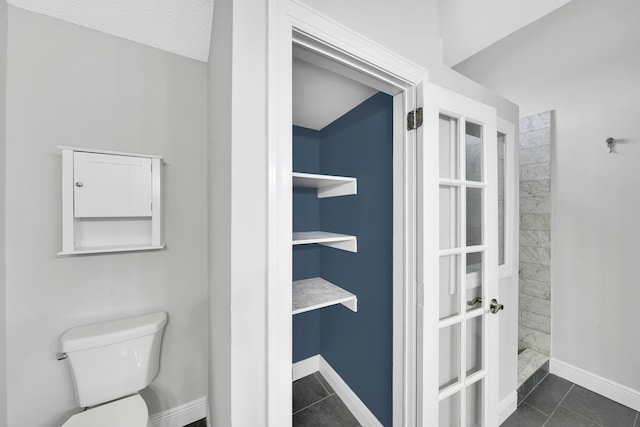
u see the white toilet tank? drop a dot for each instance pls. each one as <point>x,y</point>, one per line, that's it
<point>113,359</point>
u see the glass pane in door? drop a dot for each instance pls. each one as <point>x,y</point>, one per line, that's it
<point>449,157</point>
<point>449,217</point>
<point>450,286</point>
<point>501,191</point>
<point>474,280</point>
<point>449,355</point>
<point>449,411</point>
<point>475,404</point>
<point>474,345</point>
<point>473,151</point>
<point>474,216</point>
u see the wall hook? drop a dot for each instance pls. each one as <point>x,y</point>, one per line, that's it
<point>610,142</point>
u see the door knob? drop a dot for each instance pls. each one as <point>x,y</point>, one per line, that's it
<point>474,301</point>
<point>494,307</point>
<point>79,184</point>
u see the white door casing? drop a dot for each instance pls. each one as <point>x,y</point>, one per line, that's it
<point>356,57</point>
<point>458,260</point>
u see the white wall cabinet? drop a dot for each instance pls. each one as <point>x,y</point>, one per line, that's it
<point>109,185</point>
<point>111,201</point>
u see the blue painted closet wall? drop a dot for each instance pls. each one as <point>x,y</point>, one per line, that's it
<point>357,345</point>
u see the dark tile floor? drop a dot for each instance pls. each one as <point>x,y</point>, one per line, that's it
<point>557,402</point>
<point>199,423</point>
<point>315,404</point>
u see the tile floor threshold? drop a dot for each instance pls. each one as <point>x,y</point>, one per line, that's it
<point>557,402</point>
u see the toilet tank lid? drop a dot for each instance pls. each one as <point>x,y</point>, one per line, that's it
<point>105,333</point>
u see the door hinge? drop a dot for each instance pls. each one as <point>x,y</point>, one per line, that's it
<point>414,119</point>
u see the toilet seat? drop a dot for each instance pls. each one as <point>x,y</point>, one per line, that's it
<point>128,412</point>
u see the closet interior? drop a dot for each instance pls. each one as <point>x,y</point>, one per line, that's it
<point>342,245</point>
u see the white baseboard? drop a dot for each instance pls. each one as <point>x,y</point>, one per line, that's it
<point>614,391</point>
<point>351,400</point>
<point>181,415</point>
<point>305,367</point>
<point>507,406</point>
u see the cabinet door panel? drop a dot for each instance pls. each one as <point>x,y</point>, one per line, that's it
<point>107,185</point>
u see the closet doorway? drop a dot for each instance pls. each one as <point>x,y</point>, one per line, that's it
<point>415,361</point>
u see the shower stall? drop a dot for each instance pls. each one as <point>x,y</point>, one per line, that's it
<point>534,317</point>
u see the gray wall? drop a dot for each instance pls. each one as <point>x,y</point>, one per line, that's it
<point>68,85</point>
<point>535,233</point>
<point>3,133</point>
<point>581,61</point>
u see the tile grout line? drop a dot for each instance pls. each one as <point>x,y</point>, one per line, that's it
<point>559,403</point>
<point>309,406</point>
<point>635,422</point>
<point>322,384</point>
<point>574,412</point>
<point>537,385</point>
<point>534,408</point>
<point>583,417</point>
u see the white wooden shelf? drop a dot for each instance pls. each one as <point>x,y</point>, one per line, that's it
<point>327,185</point>
<point>334,240</point>
<point>311,294</point>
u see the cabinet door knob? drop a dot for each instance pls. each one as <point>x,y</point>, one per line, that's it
<point>79,184</point>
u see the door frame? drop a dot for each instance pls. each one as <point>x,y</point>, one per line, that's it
<point>291,22</point>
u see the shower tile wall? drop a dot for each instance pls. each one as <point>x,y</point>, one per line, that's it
<point>535,233</point>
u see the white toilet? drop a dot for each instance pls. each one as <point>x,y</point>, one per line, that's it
<point>110,363</point>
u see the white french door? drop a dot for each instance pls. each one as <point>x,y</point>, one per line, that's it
<point>458,261</point>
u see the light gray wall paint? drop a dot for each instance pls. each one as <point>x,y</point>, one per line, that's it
<point>582,62</point>
<point>3,146</point>
<point>68,85</point>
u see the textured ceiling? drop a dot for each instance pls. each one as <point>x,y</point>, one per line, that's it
<point>178,26</point>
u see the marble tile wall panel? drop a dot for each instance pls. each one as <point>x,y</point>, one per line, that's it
<point>538,222</point>
<point>535,122</point>
<point>535,232</point>
<point>535,205</point>
<point>535,305</point>
<point>534,271</point>
<point>535,288</point>
<point>535,138</point>
<point>539,188</point>
<point>535,172</point>
<point>530,338</point>
<point>535,255</point>
<point>537,238</point>
<point>531,156</point>
<point>536,321</point>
